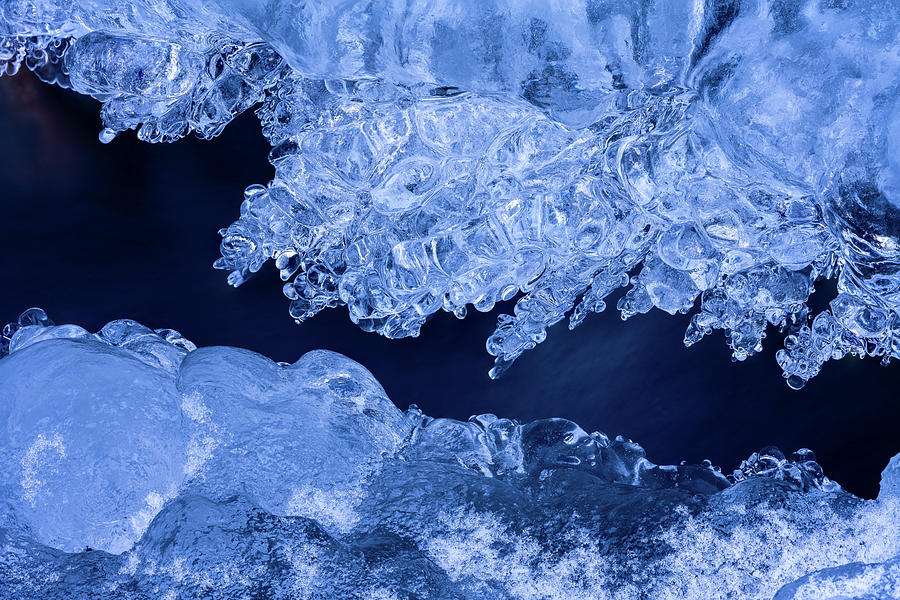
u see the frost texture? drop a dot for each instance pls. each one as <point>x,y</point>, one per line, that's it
<point>138,467</point>
<point>436,155</point>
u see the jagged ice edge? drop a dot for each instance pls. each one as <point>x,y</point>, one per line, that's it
<point>401,199</point>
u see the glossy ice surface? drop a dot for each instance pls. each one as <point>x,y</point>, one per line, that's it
<point>142,468</point>
<point>435,155</point>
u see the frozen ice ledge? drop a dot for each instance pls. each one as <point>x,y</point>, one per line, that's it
<point>436,155</point>
<point>138,467</point>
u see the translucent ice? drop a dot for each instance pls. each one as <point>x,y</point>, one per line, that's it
<point>164,471</point>
<point>90,464</point>
<point>435,155</point>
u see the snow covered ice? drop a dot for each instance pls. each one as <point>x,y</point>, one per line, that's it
<point>431,156</point>
<point>435,155</point>
<point>720,157</point>
<point>139,467</point>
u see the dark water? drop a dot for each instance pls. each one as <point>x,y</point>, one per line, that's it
<point>92,233</point>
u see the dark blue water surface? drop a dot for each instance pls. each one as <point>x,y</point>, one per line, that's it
<point>93,232</point>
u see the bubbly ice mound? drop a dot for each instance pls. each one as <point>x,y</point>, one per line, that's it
<point>137,467</point>
<point>433,155</point>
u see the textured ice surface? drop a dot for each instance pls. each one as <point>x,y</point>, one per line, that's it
<point>137,467</point>
<point>721,156</point>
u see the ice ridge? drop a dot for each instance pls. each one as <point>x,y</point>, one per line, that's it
<point>141,467</point>
<point>718,156</point>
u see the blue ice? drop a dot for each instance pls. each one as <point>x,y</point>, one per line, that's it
<point>137,466</point>
<point>720,157</point>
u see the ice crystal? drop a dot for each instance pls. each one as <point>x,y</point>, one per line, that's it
<point>721,156</point>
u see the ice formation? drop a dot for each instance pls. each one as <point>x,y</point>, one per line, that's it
<point>433,155</point>
<point>139,467</point>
